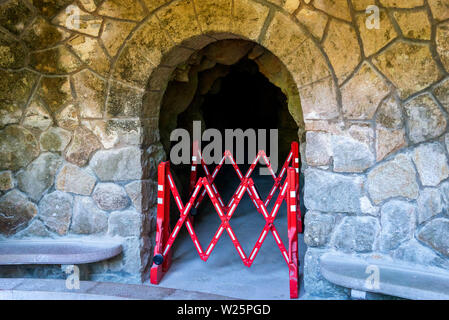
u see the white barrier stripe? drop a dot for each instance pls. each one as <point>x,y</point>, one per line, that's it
<point>187,208</point>
<point>257,159</point>
<point>193,168</point>
<point>176,232</point>
<point>232,208</point>
<point>266,160</point>
<point>220,231</point>
<point>160,201</point>
<point>209,191</point>
<point>276,207</point>
<point>160,187</point>
<point>263,236</point>
<point>169,180</point>
<point>166,250</point>
<point>196,191</point>
<point>241,193</point>
<point>215,189</point>
<point>222,161</point>
<point>231,234</point>
<point>283,190</point>
<point>296,160</point>
<point>282,172</point>
<point>272,191</point>
<point>241,252</point>
<point>286,257</point>
<point>264,212</point>
<point>198,247</point>
<point>266,202</point>
<point>276,236</point>
<point>255,203</point>
<point>221,202</point>
<point>297,170</point>
<point>232,200</point>
<point>255,192</point>
<point>218,209</point>
<point>179,202</point>
<point>193,158</point>
<point>189,227</point>
<point>293,208</point>
<point>289,156</point>
<point>209,249</point>
<point>240,175</point>
<point>204,193</point>
<point>253,254</point>
<point>292,194</point>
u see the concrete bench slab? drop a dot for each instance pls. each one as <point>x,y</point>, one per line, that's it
<point>399,279</point>
<point>17,252</point>
<point>53,289</point>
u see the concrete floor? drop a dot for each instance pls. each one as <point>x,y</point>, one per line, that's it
<point>224,273</point>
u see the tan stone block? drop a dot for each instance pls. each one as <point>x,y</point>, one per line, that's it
<point>83,144</point>
<point>90,52</point>
<point>214,16</point>
<point>91,92</point>
<point>319,100</point>
<point>362,94</point>
<point>249,18</point>
<point>68,117</point>
<point>402,3</point>
<point>116,133</point>
<point>375,39</point>
<point>83,22</point>
<point>315,21</point>
<point>154,4</point>
<point>37,117</point>
<point>123,101</point>
<point>389,115</point>
<point>57,60</point>
<point>409,66</point>
<point>307,64</point>
<point>440,9</point>
<point>291,5</point>
<point>55,92</point>
<point>42,35</point>
<point>389,141</point>
<point>414,25</point>
<point>122,9</point>
<point>361,5</point>
<point>142,53</point>
<point>283,36</point>
<point>342,48</point>
<point>441,92</point>
<point>114,33</point>
<point>336,8</point>
<point>442,40</point>
<point>179,20</point>
<point>425,120</point>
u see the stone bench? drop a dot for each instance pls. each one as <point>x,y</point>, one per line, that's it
<point>399,279</point>
<point>63,252</point>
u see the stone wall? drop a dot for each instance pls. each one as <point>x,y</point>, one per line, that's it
<point>79,107</point>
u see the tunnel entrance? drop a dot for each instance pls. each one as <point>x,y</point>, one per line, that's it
<point>222,86</point>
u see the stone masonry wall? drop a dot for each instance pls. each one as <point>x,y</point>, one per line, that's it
<point>79,110</point>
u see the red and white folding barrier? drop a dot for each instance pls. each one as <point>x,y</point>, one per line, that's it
<point>200,187</point>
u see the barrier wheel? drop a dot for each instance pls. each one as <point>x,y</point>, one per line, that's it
<point>158,259</point>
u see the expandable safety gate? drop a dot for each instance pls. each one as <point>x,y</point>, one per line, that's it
<point>288,190</point>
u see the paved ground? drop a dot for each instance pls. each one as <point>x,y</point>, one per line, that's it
<point>51,289</point>
<point>224,272</point>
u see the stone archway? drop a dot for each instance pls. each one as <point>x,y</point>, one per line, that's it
<point>176,31</point>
